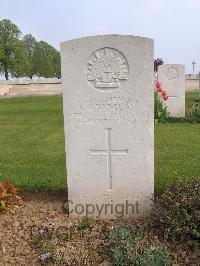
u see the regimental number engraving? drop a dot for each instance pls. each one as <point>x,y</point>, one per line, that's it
<point>172,73</point>
<point>106,68</point>
<point>109,152</point>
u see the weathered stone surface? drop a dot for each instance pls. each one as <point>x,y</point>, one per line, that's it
<point>108,115</point>
<point>30,89</point>
<point>172,77</point>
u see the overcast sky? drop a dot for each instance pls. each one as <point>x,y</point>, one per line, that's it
<point>173,24</point>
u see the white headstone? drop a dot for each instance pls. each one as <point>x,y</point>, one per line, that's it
<point>108,116</point>
<point>172,78</point>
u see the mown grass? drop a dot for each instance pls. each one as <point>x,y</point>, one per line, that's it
<point>192,98</point>
<point>177,152</point>
<point>32,142</point>
<point>32,145</point>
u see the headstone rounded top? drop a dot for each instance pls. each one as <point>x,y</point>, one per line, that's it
<point>107,36</point>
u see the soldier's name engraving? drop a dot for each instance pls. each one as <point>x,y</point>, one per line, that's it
<point>107,103</point>
<point>102,110</point>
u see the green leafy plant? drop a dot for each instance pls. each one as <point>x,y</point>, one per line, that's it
<point>160,111</point>
<point>176,212</point>
<point>8,195</point>
<point>130,250</point>
<point>154,256</point>
<point>124,246</point>
<point>85,223</point>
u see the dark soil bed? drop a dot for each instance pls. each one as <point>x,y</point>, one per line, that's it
<point>88,246</point>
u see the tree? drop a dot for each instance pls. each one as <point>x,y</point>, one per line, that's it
<point>9,46</point>
<point>20,63</point>
<point>46,61</point>
<point>26,57</point>
<point>30,45</point>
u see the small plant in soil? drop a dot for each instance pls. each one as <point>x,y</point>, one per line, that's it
<point>45,258</point>
<point>85,223</point>
<point>176,212</point>
<point>8,195</point>
<point>130,249</point>
<point>42,246</point>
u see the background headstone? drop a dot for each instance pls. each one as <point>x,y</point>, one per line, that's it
<point>172,78</point>
<point>108,116</point>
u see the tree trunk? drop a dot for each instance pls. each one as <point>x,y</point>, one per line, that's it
<point>6,72</point>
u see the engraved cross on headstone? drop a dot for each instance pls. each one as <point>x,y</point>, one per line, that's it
<point>109,152</point>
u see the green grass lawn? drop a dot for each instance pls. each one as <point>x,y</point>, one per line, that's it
<point>192,98</point>
<point>177,152</point>
<point>32,144</point>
